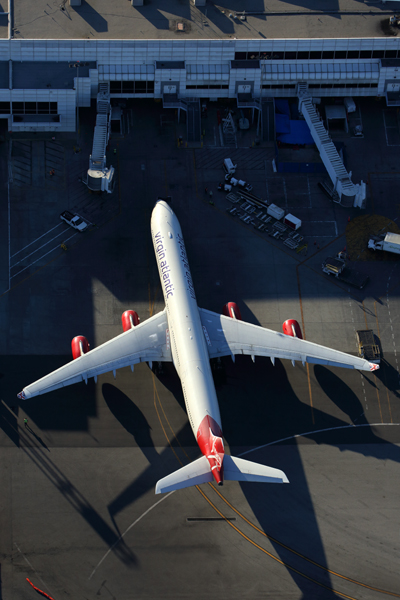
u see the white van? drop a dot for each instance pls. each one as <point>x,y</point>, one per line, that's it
<point>350,105</point>
<point>229,167</point>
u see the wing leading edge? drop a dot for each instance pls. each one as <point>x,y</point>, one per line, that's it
<point>146,342</point>
<point>227,337</point>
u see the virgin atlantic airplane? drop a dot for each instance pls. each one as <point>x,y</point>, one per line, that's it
<point>190,336</point>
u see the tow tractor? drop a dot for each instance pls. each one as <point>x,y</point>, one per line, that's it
<point>368,346</point>
<point>337,267</point>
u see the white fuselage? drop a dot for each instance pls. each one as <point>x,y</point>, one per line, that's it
<point>188,344</point>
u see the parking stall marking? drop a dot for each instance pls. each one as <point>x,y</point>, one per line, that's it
<point>37,239</point>
<point>43,256</point>
<point>391,131</point>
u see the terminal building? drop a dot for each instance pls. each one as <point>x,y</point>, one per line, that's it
<point>56,58</point>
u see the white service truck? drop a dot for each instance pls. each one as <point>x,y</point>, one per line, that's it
<point>389,242</point>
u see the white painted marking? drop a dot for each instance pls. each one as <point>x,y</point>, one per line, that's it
<point>37,249</point>
<point>386,128</point>
<point>298,435</point>
<point>285,192</point>
<point>33,569</point>
<point>39,238</point>
<point>309,191</point>
<point>267,189</point>
<point>146,512</point>
<point>384,124</point>
<point>324,236</point>
<point>40,257</point>
<point>9,236</point>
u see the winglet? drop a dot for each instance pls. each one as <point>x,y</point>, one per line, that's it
<point>21,395</point>
<point>373,367</point>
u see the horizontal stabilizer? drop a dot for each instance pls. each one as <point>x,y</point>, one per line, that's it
<point>195,473</point>
<point>238,469</point>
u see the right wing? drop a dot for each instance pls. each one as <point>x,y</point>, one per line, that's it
<point>146,342</point>
<point>226,337</point>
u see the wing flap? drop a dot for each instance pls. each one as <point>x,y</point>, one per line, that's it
<point>227,337</point>
<point>146,342</point>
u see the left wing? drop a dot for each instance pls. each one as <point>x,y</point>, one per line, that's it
<point>146,342</point>
<point>226,337</point>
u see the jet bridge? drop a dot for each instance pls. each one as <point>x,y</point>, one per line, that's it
<point>344,191</point>
<point>193,116</point>
<point>99,177</point>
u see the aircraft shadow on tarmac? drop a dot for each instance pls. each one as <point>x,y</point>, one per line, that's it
<point>134,421</point>
<point>276,411</point>
<point>23,439</point>
<point>273,412</point>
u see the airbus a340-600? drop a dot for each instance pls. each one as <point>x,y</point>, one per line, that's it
<point>190,336</point>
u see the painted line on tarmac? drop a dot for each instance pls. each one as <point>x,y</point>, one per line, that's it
<point>146,512</point>
<point>297,435</point>
<point>33,568</point>
<point>43,255</point>
<point>39,238</point>
<point>37,249</point>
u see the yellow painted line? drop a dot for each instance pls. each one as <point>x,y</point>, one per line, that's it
<point>376,386</point>
<point>278,560</point>
<point>165,178</point>
<point>304,335</point>
<point>331,572</point>
<point>155,395</point>
<point>387,392</point>
<point>275,541</point>
<point>196,187</point>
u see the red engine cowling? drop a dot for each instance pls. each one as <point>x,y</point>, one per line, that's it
<point>292,328</point>
<point>129,320</point>
<point>79,346</point>
<point>231,309</point>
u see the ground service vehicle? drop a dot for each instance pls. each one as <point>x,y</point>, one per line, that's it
<point>368,347</point>
<point>74,220</point>
<point>336,266</point>
<point>389,242</point>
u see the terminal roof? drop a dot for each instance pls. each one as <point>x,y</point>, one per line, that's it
<point>181,20</point>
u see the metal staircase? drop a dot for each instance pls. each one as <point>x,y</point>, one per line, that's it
<point>345,191</point>
<point>193,114</point>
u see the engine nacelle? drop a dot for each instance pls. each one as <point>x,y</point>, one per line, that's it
<point>129,319</point>
<point>231,309</point>
<point>292,328</point>
<point>79,346</point>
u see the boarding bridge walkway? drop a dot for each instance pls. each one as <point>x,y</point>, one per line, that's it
<point>193,115</point>
<point>99,178</point>
<point>348,194</point>
<point>101,130</point>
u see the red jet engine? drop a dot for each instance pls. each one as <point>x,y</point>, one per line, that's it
<point>292,328</point>
<point>129,319</point>
<point>79,346</point>
<point>231,309</point>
